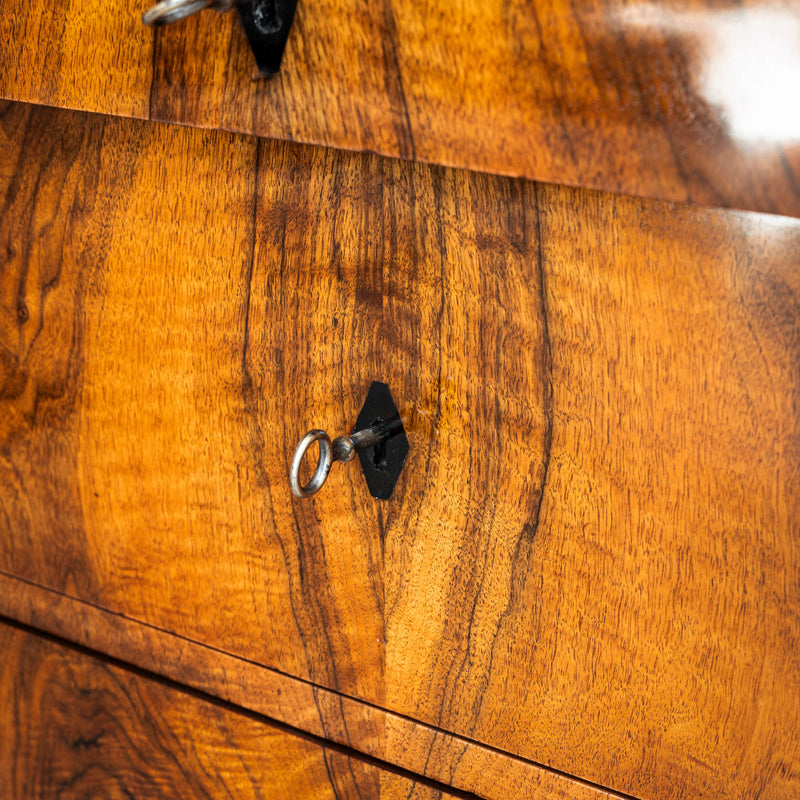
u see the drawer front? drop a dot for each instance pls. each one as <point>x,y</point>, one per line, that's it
<point>590,559</point>
<point>657,99</point>
<point>75,726</point>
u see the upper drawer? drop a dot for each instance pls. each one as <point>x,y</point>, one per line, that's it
<point>591,557</point>
<point>681,100</point>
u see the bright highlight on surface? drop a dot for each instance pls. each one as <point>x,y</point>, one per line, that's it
<point>750,64</point>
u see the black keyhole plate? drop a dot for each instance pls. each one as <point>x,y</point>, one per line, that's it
<point>383,463</point>
<point>267,24</point>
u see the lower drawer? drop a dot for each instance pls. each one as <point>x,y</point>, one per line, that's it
<point>75,726</point>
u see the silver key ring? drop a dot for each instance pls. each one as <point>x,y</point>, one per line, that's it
<point>323,465</point>
<point>167,11</point>
<point>379,429</point>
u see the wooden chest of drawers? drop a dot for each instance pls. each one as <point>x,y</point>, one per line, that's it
<point>587,580</point>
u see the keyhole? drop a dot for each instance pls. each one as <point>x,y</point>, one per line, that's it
<point>379,450</point>
<point>266,16</point>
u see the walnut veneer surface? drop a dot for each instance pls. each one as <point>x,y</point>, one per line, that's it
<point>591,558</point>
<point>74,726</point>
<point>363,729</point>
<point>684,99</point>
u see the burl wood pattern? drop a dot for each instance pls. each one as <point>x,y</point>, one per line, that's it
<point>591,559</point>
<point>73,726</point>
<point>683,100</point>
<point>438,756</point>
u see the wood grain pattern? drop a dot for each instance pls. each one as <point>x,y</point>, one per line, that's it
<point>591,558</point>
<point>436,755</point>
<point>617,589</point>
<point>127,539</point>
<point>683,100</point>
<point>74,726</point>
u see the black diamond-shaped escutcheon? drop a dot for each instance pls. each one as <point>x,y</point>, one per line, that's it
<point>267,24</point>
<point>382,463</point>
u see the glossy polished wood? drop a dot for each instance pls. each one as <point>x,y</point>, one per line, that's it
<point>683,100</point>
<point>94,219</point>
<point>74,726</point>
<point>590,559</point>
<point>459,763</point>
<point>620,589</point>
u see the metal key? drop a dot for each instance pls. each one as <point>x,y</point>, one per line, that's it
<point>343,448</point>
<point>378,437</point>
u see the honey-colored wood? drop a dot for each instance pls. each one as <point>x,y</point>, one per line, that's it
<point>677,100</point>
<point>590,560</point>
<point>437,755</point>
<point>126,294</point>
<point>74,726</point>
<point>616,586</point>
